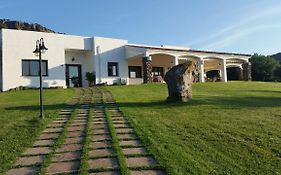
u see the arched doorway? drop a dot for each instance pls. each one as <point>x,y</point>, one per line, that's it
<point>233,73</point>
<point>213,75</point>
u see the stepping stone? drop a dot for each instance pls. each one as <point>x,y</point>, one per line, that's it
<point>140,161</point>
<point>31,160</point>
<point>101,137</point>
<point>120,122</point>
<point>130,143</point>
<point>101,131</point>
<point>99,126</point>
<point>22,171</point>
<point>77,120</point>
<point>134,151</point>
<point>48,136</point>
<point>78,124</point>
<point>101,153</point>
<point>106,173</point>
<point>64,113</point>
<point>81,118</point>
<point>59,121</point>
<point>38,151</point>
<point>76,128</point>
<point>98,119</point>
<point>126,136</point>
<point>62,117</point>
<point>147,172</point>
<point>124,130</point>
<point>75,134</point>
<point>52,130</point>
<point>103,163</point>
<point>121,125</point>
<point>69,148</point>
<point>98,123</point>
<point>63,167</point>
<point>55,125</point>
<point>118,118</point>
<point>44,143</point>
<point>61,157</point>
<point>102,144</point>
<point>73,140</point>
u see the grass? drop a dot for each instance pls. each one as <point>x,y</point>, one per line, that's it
<point>228,128</point>
<point>20,123</point>
<point>115,143</point>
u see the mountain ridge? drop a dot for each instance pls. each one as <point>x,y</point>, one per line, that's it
<point>20,25</point>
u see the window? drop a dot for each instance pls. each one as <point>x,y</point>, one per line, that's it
<point>135,72</point>
<point>112,68</point>
<point>31,67</point>
<point>158,71</point>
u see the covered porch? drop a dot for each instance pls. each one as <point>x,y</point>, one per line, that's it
<point>148,64</point>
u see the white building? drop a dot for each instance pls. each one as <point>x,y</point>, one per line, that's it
<point>113,60</point>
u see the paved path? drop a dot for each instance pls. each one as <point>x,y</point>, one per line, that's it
<point>90,135</point>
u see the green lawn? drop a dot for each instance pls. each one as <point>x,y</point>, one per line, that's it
<point>19,122</point>
<point>228,128</point>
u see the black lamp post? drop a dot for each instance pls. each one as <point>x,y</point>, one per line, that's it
<point>40,48</point>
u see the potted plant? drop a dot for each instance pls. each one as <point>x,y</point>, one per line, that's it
<point>91,78</point>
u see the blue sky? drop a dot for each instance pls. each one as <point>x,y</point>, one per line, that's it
<point>245,26</point>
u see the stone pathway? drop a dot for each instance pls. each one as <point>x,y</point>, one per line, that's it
<point>138,160</point>
<point>31,160</point>
<point>90,135</point>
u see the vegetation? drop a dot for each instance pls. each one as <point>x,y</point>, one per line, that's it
<point>20,122</point>
<point>91,78</point>
<point>265,68</point>
<point>228,128</point>
<point>19,25</point>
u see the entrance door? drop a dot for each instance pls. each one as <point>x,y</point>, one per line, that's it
<point>73,75</point>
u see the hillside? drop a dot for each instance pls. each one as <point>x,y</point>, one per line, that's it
<point>19,25</point>
<point>277,56</point>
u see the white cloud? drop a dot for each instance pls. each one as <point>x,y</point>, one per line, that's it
<point>227,40</point>
<point>246,24</point>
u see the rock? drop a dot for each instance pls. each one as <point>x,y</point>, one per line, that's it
<point>179,80</point>
<point>19,25</point>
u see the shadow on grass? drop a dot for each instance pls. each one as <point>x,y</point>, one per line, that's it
<point>220,102</point>
<point>37,107</point>
<point>266,91</point>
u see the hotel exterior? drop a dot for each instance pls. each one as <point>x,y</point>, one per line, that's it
<point>113,60</point>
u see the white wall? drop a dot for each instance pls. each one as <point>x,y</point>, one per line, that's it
<point>84,59</point>
<point>111,50</point>
<point>18,45</point>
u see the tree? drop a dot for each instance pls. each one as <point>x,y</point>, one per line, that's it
<point>263,68</point>
<point>277,73</point>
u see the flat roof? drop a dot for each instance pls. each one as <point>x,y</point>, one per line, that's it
<point>186,50</point>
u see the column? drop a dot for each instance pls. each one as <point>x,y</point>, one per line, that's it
<point>223,71</point>
<point>176,60</point>
<point>201,71</point>
<point>247,71</point>
<point>147,69</point>
<point>240,73</point>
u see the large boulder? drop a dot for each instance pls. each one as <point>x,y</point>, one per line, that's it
<point>179,80</point>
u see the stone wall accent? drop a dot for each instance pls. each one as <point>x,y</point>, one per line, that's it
<point>147,70</point>
<point>247,71</point>
<point>240,73</point>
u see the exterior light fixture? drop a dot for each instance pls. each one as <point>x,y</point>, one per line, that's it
<point>39,49</point>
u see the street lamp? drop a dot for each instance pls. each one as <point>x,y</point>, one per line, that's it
<point>40,48</point>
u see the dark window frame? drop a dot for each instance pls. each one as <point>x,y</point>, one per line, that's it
<point>112,64</point>
<point>158,69</point>
<point>139,74</point>
<point>30,67</point>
